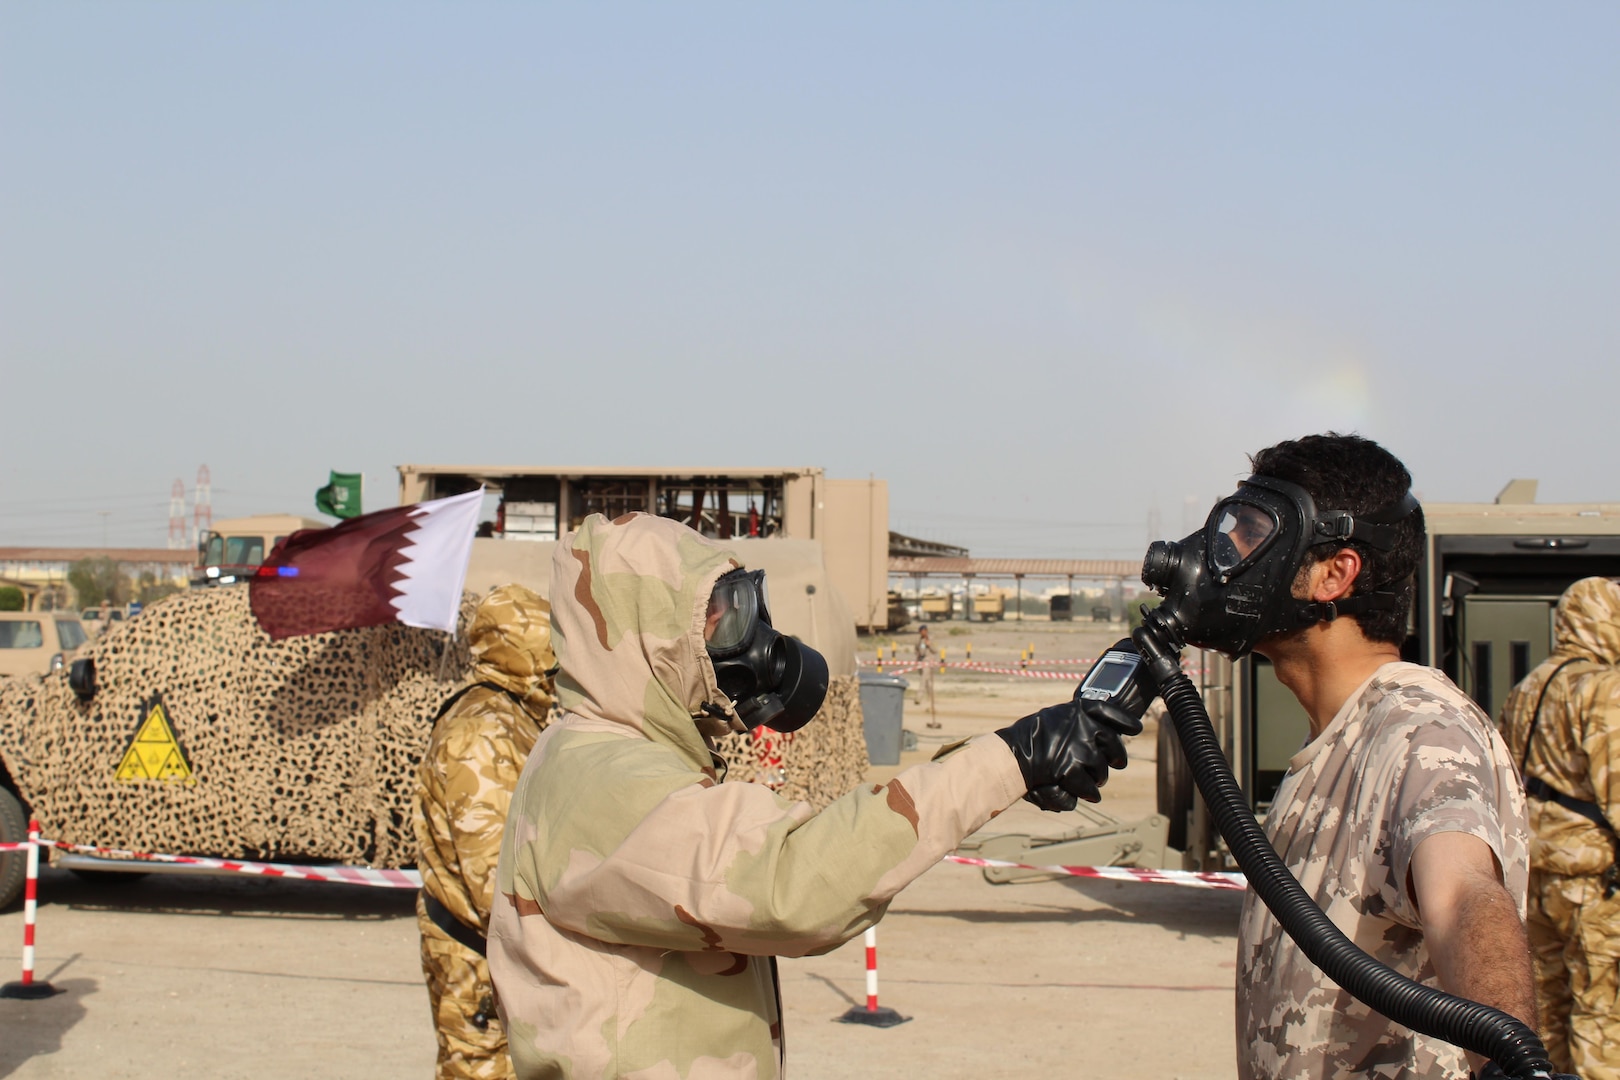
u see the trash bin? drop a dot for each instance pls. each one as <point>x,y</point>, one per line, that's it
<point>883,705</point>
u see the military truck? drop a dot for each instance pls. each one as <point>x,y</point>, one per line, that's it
<point>235,547</point>
<point>1490,577</point>
<point>989,606</point>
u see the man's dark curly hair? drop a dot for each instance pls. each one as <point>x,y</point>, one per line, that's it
<point>1347,472</point>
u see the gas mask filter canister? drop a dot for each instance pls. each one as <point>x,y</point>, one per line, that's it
<point>774,680</point>
<point>1231,583</point>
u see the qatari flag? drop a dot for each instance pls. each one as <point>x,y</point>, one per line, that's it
<point>406,564</point>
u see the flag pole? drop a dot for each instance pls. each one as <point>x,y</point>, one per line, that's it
<point>444,653</point>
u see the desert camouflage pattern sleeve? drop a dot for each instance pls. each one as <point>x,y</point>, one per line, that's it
<point>639,846</point>
<point>676,861</point>
<point>1459,777</point>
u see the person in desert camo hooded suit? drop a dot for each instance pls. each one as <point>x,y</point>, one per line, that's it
<point>640,903</point>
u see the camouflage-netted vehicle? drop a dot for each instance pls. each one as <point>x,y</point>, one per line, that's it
<point>205,737</point>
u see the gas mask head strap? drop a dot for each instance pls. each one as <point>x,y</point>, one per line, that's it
<point>1309,614</point>
<point>1376,530</point>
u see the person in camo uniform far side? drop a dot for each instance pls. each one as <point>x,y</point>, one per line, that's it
<point>464,785</point>
<point>641,903</point>
<point>1563,726</point>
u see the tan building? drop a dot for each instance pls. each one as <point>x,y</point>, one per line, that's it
<point>848,519</point>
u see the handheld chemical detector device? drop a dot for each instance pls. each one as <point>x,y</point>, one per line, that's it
<point>1118,678</point>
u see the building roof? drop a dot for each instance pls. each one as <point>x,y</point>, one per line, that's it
<point>576,472</point>
<point>911,566</point>
<point>903,546</point>
<point>182,557</point>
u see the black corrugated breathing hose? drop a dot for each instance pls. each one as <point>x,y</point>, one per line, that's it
<point>1468,1024</point>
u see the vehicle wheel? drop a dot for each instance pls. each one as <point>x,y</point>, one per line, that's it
<point>13,865</point>
<point>1175,784</point>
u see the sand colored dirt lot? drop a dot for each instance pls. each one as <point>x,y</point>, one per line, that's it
<point>240,977</point>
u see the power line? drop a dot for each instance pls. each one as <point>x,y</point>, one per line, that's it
<point>85,500</point>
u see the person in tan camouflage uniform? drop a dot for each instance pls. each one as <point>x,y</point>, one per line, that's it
<point>464,786</point>
<point>1571,768</point>
<point>1402,816</point>
<point>640,902</point>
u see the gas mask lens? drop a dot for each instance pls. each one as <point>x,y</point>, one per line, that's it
<point>734,607</point>
<point>775,681</point>
<point>1238,532</point>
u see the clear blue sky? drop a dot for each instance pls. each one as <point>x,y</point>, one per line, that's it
<point>1043,267</point>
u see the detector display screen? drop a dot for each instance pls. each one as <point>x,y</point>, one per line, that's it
<point>1111,675</point>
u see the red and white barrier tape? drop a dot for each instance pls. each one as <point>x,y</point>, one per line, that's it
<point>412,879</point>
<point>347,875</point>
<point>981,667</point>
<point>907,666</point>
<point>1022,673</point>
<point>1198,879</point>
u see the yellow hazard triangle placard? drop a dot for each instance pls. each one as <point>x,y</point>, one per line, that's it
<point>154,753</point>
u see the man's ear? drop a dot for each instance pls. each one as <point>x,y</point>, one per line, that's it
<point>1334,578</point>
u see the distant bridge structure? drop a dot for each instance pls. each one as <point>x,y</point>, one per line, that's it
<point>1113,573</point>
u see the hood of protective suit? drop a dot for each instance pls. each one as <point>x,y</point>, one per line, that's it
<point>1587,621</point>
<point>510,642</point>
<point>629,600</point>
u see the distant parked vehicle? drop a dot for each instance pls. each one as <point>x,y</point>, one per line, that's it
<point>989,607</point>
<point>899,618</point>
<point>90,618</point>
<point>37,642</point>
<point>234,549</point>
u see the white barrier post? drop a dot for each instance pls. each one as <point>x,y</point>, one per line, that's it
<point>28,989</point>
<point>872,1015</point>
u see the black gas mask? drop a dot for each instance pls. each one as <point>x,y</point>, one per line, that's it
<point>774,680</point>
<point>1231,584</point>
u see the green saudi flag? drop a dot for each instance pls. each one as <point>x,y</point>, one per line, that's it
<point>341,496</point>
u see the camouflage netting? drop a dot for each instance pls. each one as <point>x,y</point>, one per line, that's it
<point>298,748</point>
<point>302,748</point>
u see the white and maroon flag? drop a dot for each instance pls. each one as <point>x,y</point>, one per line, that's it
<point>406,564</point>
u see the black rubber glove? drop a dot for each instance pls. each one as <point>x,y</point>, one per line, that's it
<point>1065,751</point>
